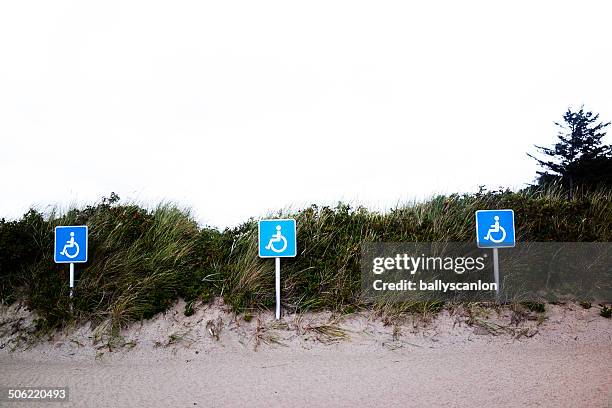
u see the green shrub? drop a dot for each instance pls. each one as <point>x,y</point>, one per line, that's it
<point>141,261</point>
<point>326,273</point>
<point>19,247</point>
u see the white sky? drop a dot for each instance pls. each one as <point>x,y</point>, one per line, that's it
<point>236,108</point>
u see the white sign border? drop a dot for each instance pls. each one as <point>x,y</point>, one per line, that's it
<point>513,229</point>
<point>259,235</point>
<point>86,243</point>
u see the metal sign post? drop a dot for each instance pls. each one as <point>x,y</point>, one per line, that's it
<point>277,286</point>
<point>71,278</point>
<point>496,272</point>
<point>277,239</point>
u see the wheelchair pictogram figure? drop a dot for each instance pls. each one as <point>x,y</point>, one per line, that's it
<point>69,245</point>
<point>277,237</point>
<point>494,229</point>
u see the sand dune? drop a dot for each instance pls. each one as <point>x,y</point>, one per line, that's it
<point>316,360</point>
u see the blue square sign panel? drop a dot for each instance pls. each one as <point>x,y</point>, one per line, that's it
<point>277,238</point>
<point>495,228</point>
<point>71,244</point>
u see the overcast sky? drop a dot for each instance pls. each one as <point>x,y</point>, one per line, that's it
<point>235,108</point>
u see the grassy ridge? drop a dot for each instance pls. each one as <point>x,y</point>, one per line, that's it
<point>141,261</point>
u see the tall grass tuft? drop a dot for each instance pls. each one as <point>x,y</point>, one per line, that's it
<point>139,263</point>
<point>326,273</point>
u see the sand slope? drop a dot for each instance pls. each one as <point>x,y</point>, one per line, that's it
<point>313,361</point>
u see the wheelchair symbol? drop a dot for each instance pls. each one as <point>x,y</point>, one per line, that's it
<point>496,228</point>
<point>70,244</point>
<point>277,237</point>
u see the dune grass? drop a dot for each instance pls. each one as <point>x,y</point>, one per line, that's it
<point>141,261</point>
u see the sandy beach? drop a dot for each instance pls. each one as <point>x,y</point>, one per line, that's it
<point>318,360</point>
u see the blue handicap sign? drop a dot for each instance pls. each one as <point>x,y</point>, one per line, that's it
<point>277,238</point>
<point>495,229</point>
<point>71,244</point>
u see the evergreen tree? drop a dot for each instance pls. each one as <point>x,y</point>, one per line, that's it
<point>579,158</point>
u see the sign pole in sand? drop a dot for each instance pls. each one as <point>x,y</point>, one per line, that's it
<point>71,278</point>
<point>495,229</point>
<point>277,288</point>
<point>277,239</point>
<point>496,271</point>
